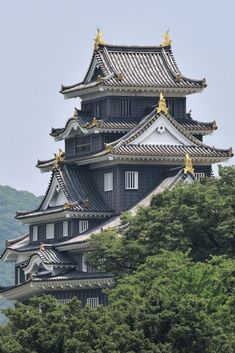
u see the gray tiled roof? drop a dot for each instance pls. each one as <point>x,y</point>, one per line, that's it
<point>138,66</point>
<point>173,151</point>
<point>78,188</point>
<point>51,257</point>
<point>126,124</point>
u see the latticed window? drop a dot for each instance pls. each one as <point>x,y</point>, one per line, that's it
<point>199,176</point>
<point>42,232</point>
<point>83,145</point>
<point>108,181</point>
<point>125,107</point>
<point>58,230</point>
<point>131,180</point>
<point>93,302</point>
<point>69,228</point>
<point>83,226</point>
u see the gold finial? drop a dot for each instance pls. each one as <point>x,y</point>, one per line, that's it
<point>86,203</point>
<point>42,247</point>
<point>99,39</point>
<point>66,206</point>
<point>162,107</point>
<point>108,148</point>
<point>120,77</point>
<point>214,125</point>
<point>188,165</point>
<point>178,77</point>
<point>167,40</point>
<point>59,158</point>
<point>230,152</point>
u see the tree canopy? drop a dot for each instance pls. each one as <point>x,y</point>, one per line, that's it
<point>175,274</point>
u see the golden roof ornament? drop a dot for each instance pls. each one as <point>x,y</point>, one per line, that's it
<point>66,206</point>
<point>99,39</point>
<point>59,158</point>
<point>214,125</point>
<point>42,247</point>
<point>188,164</point>
<point>162,107</point>
<point>166,39</point>
<point>230,152</point>
<point>108,148</point>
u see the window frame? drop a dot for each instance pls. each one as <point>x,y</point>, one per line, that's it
<point>81,230</point>
<point>93,302</point>
<point>108,181</point>
<point>131,180</point>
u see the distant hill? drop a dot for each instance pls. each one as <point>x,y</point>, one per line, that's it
<point>10,201</point>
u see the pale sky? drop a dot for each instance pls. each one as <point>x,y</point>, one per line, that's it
<point>48,43</point>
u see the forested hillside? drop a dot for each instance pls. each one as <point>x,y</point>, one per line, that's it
<point>175,283</point>
<point>10,201</point>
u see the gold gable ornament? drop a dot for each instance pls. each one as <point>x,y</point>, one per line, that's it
<point>188,165</point>
<point>66,206</point>
<point>59,158</point>
<point>99,39</point>
<point>162,107</point>
<point>167,40</point>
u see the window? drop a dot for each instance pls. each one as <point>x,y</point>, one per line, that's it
<point>63,301</point>
<point>108,181</point>
<point>92,302</point>
<point>69,228</point>
<point>125,107</point>
<point>50,231</point>
<point>83,226</point>
<point>42,232</point>
<point>83,145</point>
<point>199,176</point>
<point>58,230</point>
<point>131,180</point>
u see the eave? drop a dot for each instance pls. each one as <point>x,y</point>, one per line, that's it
<point>34,287</point>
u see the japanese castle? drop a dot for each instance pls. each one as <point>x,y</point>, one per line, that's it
<point>131,139</point>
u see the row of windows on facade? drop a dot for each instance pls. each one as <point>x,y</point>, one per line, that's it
<point>55,230</point>
<point>131,181</point>
<point>125,107</point>
<point>91,302</point>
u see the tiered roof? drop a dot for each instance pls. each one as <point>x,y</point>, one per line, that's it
<point>79,190</point>
<point>121,66</point>
<point>87,124</point>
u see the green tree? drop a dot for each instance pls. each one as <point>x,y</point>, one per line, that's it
<point>198,218</point>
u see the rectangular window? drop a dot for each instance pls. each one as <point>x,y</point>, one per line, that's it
<point>63,301</point>
<point>125,107</point>
<point>83,145</point>
<point>35,234</point>
<point>58,230</point>
<point>108,181</point>
<point>199,176</point>
<point>50,231</point>
<point>83,226</point>
<point>42,232</point>
<point>69,228</point>
<point>131,180</point>
<point>93,302</point>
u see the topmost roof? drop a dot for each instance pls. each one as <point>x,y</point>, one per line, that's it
<point>133,67</point>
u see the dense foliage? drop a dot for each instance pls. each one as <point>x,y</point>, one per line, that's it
<point>174,293</point>
<point>199,218</point>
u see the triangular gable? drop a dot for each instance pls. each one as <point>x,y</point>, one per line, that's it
<point>162,132</point>
<point>55,196</point>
